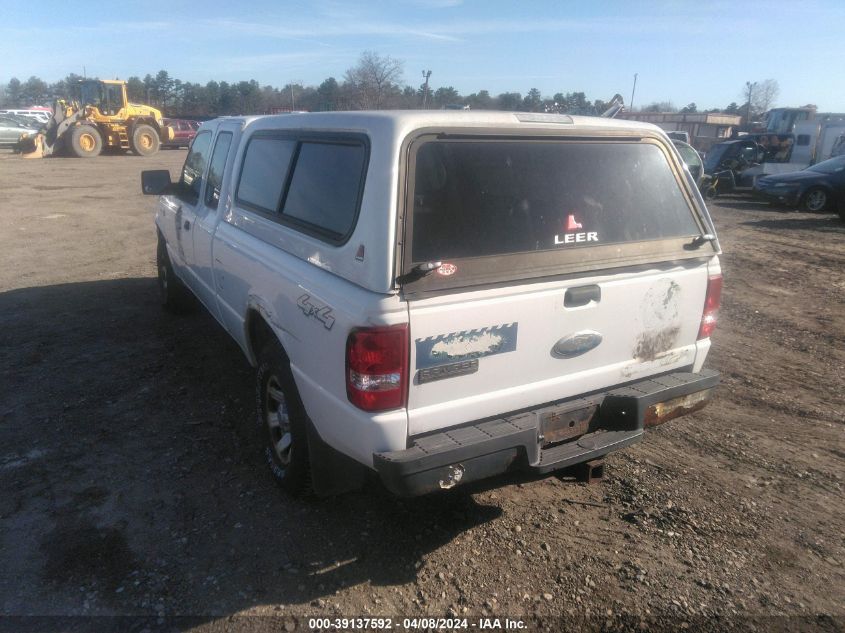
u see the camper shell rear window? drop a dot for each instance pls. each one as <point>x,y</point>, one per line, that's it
<point>494,209</point>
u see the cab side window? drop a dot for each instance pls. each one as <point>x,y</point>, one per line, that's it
<point>114,97</point>
<point>191,181</point>
<point>215,172</point>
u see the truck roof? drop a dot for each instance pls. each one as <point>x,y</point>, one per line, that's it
<point>415,119</point>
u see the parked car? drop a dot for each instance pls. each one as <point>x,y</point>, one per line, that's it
<point>27,121</point>
<point>737,157</point>
<point>817,188</point>
<point>678,135</point>
<point>440,297</point>
<point>737,164</point>
<point>184,132</point>
<point>692,159</point>
<point>11,130</point>
<point>41,115</point>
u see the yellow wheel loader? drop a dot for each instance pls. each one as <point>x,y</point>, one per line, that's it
<point>102,118</point>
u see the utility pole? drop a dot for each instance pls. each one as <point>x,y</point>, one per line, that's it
<point>426,74</point>
<point>750,85</point>
<point>633,90</point>
<point>292,102</point>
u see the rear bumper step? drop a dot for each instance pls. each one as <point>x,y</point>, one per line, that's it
<point>612,420</point>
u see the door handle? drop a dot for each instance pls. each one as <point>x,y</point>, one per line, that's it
<point>187,225</point>
<point>581,296</point>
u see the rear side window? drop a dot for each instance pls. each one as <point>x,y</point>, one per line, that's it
<point>311,184</point>
<point>324,188</point>
<point>476,198</point>
<point>264,171</point>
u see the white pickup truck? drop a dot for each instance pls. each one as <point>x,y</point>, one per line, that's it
<point>439,297</point>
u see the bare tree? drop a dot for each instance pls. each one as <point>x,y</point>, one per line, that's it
<point>372,78</point>
<point>659,106</point>
<point>765,95</point>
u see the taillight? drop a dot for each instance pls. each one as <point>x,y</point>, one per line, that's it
<point>711,306</point>
<point>377,367</point>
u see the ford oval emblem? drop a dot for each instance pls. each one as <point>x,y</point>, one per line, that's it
<point>576,344</point>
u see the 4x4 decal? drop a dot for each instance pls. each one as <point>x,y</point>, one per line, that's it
<point>322,313</point>
<point>466,345</point>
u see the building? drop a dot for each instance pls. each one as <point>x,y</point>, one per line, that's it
<point>704,129</point>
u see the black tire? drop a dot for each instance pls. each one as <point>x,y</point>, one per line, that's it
<point>282,422</point>
<point>174,296</point>
<point>145,140</point>
<point>840,207</point>
<point>85,141</point>
<point>815,200</point>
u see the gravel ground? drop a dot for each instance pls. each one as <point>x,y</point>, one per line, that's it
<point>131,485</point>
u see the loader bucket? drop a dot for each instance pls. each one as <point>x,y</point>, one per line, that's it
<point>32,146</point>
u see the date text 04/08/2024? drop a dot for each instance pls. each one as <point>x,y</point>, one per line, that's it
<point>445,624</point>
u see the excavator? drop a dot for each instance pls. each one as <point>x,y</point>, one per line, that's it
<point>101,118</point>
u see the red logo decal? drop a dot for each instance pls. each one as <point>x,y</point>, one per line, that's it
<point>572,224</point>
<point>447,269</point>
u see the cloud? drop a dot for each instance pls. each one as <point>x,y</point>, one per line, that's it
<point>324,29</point>
<point>336,26</point>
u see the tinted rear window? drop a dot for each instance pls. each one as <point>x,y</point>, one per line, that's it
<point>324,187</point>
<point>264,171</point>
<point>485,198</point>
<point>312,183</point>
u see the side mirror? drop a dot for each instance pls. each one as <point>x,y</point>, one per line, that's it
<point>156,182</point>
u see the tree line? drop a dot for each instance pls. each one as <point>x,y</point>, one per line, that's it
<point>374,82</point>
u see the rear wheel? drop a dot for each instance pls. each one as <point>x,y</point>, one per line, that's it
<point>85,141</point>
<point>815,200</point>
<point>282,422</point>
<point>144,140</point>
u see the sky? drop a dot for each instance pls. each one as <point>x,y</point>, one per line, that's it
<point>682,52</point>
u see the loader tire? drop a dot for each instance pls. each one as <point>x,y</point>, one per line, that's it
<point>144,140</point>
<point>85,141</point>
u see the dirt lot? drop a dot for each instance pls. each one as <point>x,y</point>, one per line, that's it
<point>130,482</point>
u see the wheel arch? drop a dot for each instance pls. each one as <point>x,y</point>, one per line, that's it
<point>819,185</point>
<point>144,120</point>
<point>258,331</point>
<point>331,471</point>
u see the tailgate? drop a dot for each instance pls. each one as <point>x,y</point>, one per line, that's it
<point>541,268</point>
<point>484,353</point>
